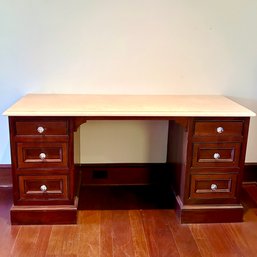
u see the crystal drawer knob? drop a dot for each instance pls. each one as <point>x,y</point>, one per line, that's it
<point>43,188</point>
<point>220,130</point>
<point>40,130</point>
<point>216,156</point>
<point>42,156</point>
<point>214,187</point>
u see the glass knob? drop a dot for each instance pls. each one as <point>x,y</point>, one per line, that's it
<point>216,156</point>
<point>220,130</point>
<point>43,188</point>
<point>42,156</point>
<point>214,187</point>
<point>40,130</point>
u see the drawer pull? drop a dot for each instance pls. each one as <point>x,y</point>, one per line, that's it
<point>43,188</point>
<point>42,156</point>
<point>220,130</point>
<point>216,156</point>
<point>40,130</point>
<point>214,187</point>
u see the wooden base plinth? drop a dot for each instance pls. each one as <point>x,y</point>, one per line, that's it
<point>209,213</point>
<point>47,215</point>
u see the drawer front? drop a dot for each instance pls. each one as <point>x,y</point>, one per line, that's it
<point>213,186</point>
<point>216,155</point>
<point>42,155</point>
<point>218,128</point>
<point>41,128</point>
<point>43,188</point>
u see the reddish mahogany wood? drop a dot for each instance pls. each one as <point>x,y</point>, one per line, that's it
<point>54,155</point>
<point>204,155</point>
<point>30,188</point>
<point>209,128</point>
<point>191,145</point>
<point>50,127</point>
<point>224,186</point>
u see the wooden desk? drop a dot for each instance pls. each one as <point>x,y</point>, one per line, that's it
<point>206,152</point>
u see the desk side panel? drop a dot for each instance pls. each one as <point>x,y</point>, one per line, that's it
<point>177,155</point>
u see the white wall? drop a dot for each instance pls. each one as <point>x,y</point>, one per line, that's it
<point>128,47</point>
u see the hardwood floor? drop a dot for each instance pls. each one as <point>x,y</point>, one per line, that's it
<point>142,230</point>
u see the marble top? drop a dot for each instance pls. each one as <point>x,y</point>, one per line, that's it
<point>127,105</point>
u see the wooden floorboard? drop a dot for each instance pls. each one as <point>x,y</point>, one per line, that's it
<point>142,230</point>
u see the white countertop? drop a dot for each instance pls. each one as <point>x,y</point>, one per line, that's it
<point>126,105</point>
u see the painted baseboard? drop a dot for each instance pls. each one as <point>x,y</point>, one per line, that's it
<point>250,172</point>
<point>132,174</point>
<point>123,174</point>
<point>5,175</point>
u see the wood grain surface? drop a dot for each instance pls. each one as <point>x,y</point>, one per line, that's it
<point>131,232</point>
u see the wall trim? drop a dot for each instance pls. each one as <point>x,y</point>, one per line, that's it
<point>250,172</point>
<point>123,173</point>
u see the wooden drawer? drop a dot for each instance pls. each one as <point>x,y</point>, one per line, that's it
<point>213,186</point>
<point>42,155</point>
<point>41,127</point>
<point>218,128</point>
<point>216,154</point>
<point>43,188</point>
